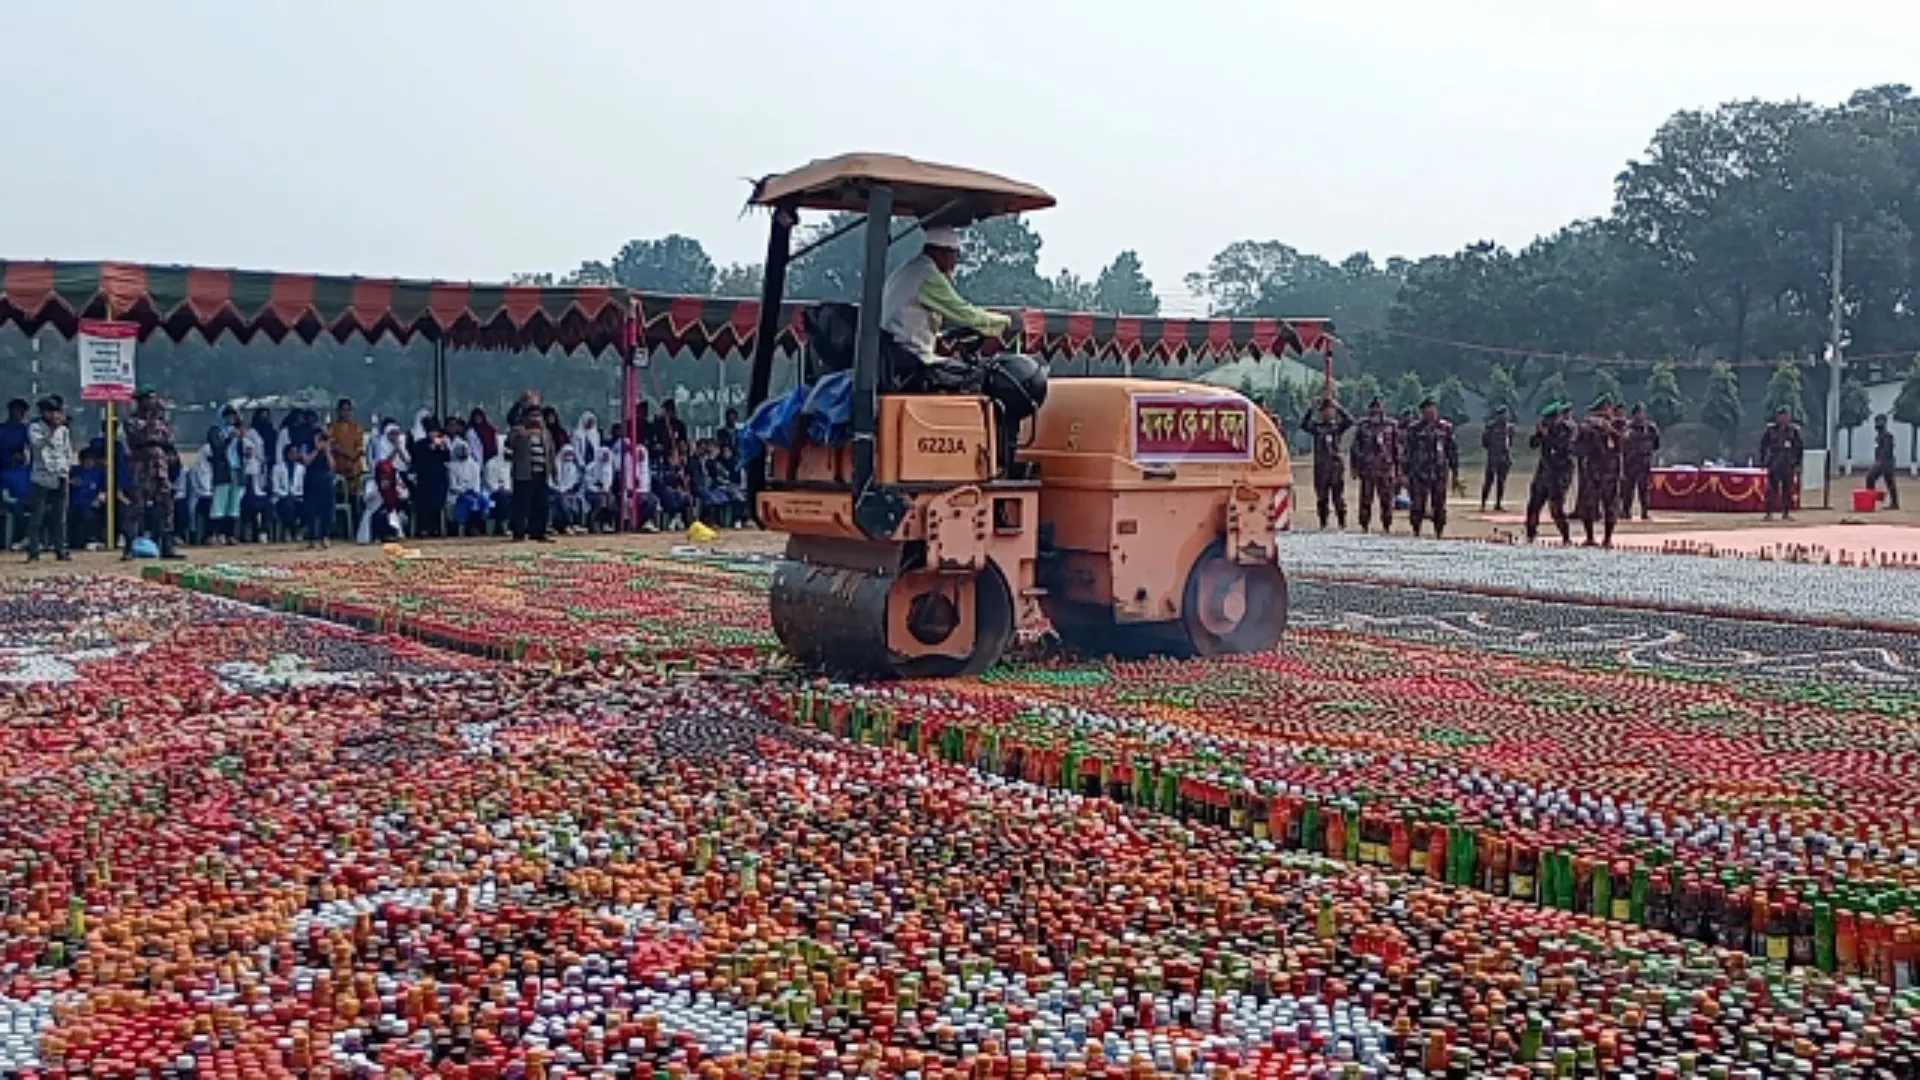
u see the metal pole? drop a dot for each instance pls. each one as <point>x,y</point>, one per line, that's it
<point>439,376</point>
<point>1835,366</point>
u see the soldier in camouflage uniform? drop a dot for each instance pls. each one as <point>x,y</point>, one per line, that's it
<point>1329,477</point>
<point>1377,455</point>
<point>1643,441</point>
<point>149,443</point>
<point>1553,437</point>
<point>1433,460</point>
<point>1497,441</point>
<point>1597,448</point>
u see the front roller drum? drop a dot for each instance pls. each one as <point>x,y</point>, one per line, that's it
<point>910,626</point>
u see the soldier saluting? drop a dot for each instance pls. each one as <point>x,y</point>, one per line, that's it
<point>1378,451</point>
<point>1327,427</point>
<point>1433,460</point>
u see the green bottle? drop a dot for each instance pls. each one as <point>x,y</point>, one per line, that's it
<point>1602,892</point>
<point>1825,943</point>
<point>1639,903</point>
<point>1531,1038</point>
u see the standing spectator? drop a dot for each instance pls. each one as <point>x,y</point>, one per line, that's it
<point>289,489</point>
<point>528,400</point>
<point>532,452</point>
<point>87,501</point>
<point>1781,449</point>
<point>1597,452</point>
<point>556,431</point>
<point>430,458</point>
<point>150,451</point>
<point>641,487</point>
<point>1497,440</point>
<point>672,427</point>
<point>52,447</point>
<point>347,445</point>
<point>482,439</point>
<point>225,486</point>
<point>1636,462</point>
<point>316,491</point>
<point>259,434</point>
<point>13,433</point>
<point>256,504</point>
<point>466,498</point>
<point>1376,458</point>
<point>1883,460</point>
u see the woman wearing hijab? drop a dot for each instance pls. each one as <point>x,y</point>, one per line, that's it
<point>255,503</point>
<point>600,492</point>
<point>482,439</point>
<point>467,502</point>
<point>430,460</point>
<point>556,433</point>
<point>384,490</point>
<point>570,498</point>
<point>259,434</point>
<point>586,438</point>
<point>289,490</point>
<point>223,463</point>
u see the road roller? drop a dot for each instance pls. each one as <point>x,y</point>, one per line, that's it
<point>939,518</point>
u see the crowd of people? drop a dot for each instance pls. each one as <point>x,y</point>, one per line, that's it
<point>257,479</point>
<point>1610,451</point>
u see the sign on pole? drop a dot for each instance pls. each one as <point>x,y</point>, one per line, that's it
<point>106,359</point>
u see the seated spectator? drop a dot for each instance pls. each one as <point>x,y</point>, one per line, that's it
<point>87,502</point>
<point>467,502</point>
<point>288,489</point>
<point>569,497</point>
<point>644,502</point>
<point>717,494</point>
<point>676,498</point>
<point>16,487</point>
<point>599,493</point>
<point>498,479</point>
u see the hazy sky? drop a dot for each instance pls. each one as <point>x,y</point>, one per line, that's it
<point>473,138</point>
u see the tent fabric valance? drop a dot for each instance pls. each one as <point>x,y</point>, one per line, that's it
<point>177,299</point>
<point>727,325</point>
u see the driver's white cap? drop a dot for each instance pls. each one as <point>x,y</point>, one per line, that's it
<point>941,236</point>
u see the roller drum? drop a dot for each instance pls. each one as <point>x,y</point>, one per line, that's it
<point>832,618</point>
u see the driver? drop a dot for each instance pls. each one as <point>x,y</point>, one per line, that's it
<point>920,295</point>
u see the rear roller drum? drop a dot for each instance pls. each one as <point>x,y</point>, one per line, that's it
<point>1233,607</point>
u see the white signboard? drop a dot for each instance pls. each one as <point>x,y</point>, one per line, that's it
<point>106,359</point>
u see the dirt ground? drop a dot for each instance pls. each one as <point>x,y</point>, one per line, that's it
<point>1464,520</point>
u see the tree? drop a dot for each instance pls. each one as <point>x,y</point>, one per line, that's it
<point>1000,264</point>
<point>1906,409</point>
<point>1290,400</point>
<point>1783,391</point>
<point>1123,288</point>
<point>590,272</point>
<point>1720,409</point>
<point>1071,292</point>
<point>1552,388</point>
<point>738,279</point>
<point>1357,392</point>
<point>1664,401</point>
<point>534,277</point>
<point>1606,384</point>
<point>672,264</point>
<point>1451,397</point>
<point>1855,409</point>
<point>1501,392</point>
<point>1408,391</point>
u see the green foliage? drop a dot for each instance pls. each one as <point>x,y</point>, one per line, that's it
<point>1356,392</point>
<point>1855,408</point>
<point>1606,384</point>
<point>738,279</point>
<point>1906,407</point>
<point>1407,392</point>
<point>1662,397</point>
<point>672,264</point>
<point>1451,397</point>
<point>1071,292</point>
<point>1000,264</point>
<point>1553,388</point>
<point>1501,391</point>
<point>1123,288</point>
<point>1291,398</point>
<point>1721,409</point>
<point>1783,392</point>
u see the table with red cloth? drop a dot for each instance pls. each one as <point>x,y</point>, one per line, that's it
<point>1714,490</point>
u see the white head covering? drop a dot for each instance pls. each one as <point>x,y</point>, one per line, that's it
<point>499,474</point>
<point>569,473</point>
<point>463,472</point>
<point>420,423</point>
<point>941,236</point>
<point>600,472</point>
<point>586,436</point>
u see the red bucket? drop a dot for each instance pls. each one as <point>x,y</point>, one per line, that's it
<point>1865,501</point>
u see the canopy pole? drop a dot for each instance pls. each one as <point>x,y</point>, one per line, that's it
<point>439,377</point>
<point>629,424</point>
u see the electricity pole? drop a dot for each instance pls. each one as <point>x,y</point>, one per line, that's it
<point>1835,366</point>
